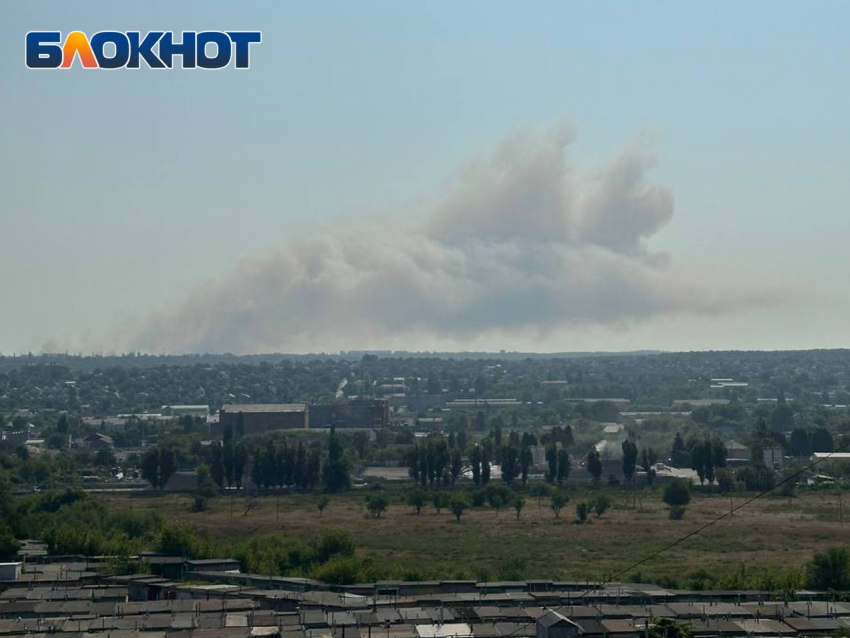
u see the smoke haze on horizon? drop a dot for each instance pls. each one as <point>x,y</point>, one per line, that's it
<point>525,245</point>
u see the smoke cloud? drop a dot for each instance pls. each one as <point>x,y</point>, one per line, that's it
<point>524,244</point>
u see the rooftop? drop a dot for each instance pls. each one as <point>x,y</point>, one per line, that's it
<point>263,407</point>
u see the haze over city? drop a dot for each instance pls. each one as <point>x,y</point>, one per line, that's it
<point>598,176</point>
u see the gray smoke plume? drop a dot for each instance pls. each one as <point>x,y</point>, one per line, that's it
<point>524,244</point>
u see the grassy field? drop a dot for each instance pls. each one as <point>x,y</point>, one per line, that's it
<point>772,532</point>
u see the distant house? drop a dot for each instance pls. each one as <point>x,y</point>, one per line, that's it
<point>213,565</point>
<point>98,441</point>
<point>182,482</point>
<point>10,439</point>
<point>773,457</point>
<point>737,454</point>
<point>611,430</point>
<point>735,450</point>
<point>202,411</point>
<point>10,571</point>
<point>555,625</point>
<point>843,457</point>
<point>429,422</point>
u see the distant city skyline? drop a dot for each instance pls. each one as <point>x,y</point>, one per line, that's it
<point>560,177</point>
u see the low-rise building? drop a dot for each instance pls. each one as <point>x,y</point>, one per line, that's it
<point>256,418</point>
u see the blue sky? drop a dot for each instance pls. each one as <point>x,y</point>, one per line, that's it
<point>122,192</point>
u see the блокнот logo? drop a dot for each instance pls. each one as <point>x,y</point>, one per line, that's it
<point>129,49</point>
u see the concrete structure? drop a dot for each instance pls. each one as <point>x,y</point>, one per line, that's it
<point>482,404</point>
<point>202,411</point>
<point>10,439</point>
<point>98,441</point>
<point>843,457</point>
<point>10,571</point>
<point>357,413</point>
<point>261,417</point>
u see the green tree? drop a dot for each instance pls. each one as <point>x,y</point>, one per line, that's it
<point>475,461</point>
<point>679,456</point>
<point>498,496</point>
<point>413,460</point>
<point>594,465</point>
<point>240,458</point>
<point>668,628</point>
<point>440,500</point>
<point>510,463</point>
<point>799,443</point>
<point>455,464</point>
<point>227,457</point>
<point>519,503</point>
<point>541,491</point>
<point>630,455</point>
<point>459,504</point>
<point>150,466</point>
<point>526,461</point>
<point>677,494</point>
<point>167,465</point>
<point>336,475</point>
<point>563,465</point>
<point>552,463</point>
<point>601,504</point>
<point>581,512</point>
<point>376,504</point>
<point>8,545</point>
<point>416,499</point>
<point>830,569</point>
<point>719,453</point>
<point>821,440</point>
<point>205,491</point>
<point>725,480</point>
<point>557,502</point>
<point>217,463</point>
<point>648,463</point>
<point>321,504</point>
<point>256,469</point>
